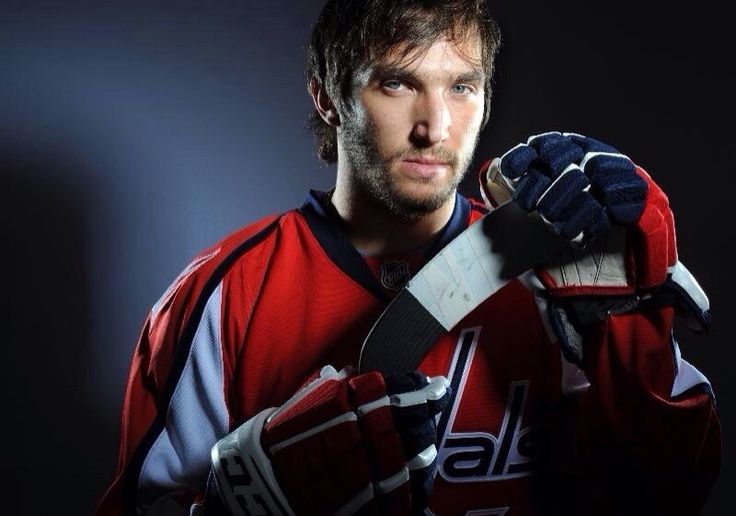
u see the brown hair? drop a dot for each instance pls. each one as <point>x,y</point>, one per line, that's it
<point>351,33</point>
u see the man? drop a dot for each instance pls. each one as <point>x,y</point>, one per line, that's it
<point>559,394</point>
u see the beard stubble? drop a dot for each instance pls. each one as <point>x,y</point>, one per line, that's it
<point>372,174</point>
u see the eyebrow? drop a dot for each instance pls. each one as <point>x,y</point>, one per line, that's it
<point>396,72</point>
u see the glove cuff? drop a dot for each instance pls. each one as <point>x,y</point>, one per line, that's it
<point>684,293</point>
<point>243,474</point>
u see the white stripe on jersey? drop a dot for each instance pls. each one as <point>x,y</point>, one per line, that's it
<point>197,416</point>
<point>687,375</point>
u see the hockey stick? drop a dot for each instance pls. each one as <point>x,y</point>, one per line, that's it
<point>476,264</point>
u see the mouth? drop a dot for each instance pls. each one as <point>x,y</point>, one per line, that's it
<point>424,168</point>
<point>427,161</point>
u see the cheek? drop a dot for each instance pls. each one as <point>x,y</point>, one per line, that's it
<point>470,120</point>
<point>391,129</point>
<point>388,113</point>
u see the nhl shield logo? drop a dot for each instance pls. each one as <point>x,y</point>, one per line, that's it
<point>394,274</point>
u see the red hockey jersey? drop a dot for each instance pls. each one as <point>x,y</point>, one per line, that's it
<point>251,318</point>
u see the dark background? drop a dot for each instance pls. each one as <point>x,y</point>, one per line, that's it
<point>133,134</point>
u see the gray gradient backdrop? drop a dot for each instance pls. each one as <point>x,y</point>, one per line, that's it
<point>133,134</point>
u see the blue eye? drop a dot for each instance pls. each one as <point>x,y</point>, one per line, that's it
<point>462,89</point>
<point>392,84</point>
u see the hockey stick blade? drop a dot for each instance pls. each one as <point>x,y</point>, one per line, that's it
<point>476,264</point>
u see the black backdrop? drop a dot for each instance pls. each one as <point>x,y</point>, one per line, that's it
<point>133,134</point>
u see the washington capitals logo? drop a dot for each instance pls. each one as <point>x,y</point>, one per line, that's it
<point>476,456</point>
<point>394,274</point>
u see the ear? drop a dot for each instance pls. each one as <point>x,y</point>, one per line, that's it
<point>322,103</point>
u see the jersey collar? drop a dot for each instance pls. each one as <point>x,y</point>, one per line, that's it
<point>328,228</point>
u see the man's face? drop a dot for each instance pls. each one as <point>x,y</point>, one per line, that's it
<point>413,126</point>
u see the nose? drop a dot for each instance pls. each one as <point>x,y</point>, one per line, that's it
<point>433,120</point>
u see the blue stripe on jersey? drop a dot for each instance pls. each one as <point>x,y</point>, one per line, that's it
<point>183,348</point>
<point>328,228</point>
<point>197,415</point>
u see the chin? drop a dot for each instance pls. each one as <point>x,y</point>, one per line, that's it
<point>415,202</point>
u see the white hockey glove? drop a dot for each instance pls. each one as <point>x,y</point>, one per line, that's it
<point>618,221</point>
<point>343,443</point>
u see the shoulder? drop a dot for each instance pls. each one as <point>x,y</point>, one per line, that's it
<point>200,279</point>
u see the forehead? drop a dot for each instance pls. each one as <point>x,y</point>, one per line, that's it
<point>442,56</point>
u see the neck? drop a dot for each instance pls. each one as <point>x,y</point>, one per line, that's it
<point>374,229</point>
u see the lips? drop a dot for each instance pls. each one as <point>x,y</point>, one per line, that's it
<point>424,168</point>
<point>427,161</point>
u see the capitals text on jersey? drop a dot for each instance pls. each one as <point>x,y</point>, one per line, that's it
<point>481,456</point>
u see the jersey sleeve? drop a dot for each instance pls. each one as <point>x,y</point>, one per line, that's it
<point>173,409</point>
<point>645,437</point>
<point>176,403</point>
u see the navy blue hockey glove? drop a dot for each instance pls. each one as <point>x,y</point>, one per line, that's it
<point>590,193</point>
<point>343,444</point>
<point>578,185</point>
<point>618,220</point>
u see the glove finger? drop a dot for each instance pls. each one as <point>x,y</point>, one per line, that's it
<point>530,188</point>
<point>414,413</point>
<point>561,192</point>
<point>420,484</point>
<point>405,382</point>
<point>556,151</point>
<point>583,219</point>
<point>617,185</point>
<point>411,407</point>
<point>418,441</point>
<point>325,459</point>
<point>414,423</point>
<point>420,444</point>
<point>373,406</point>
<point>588,144</point>
<point>515,162</point>
<point>324,400</point>
<point>382,443</point>
<point>439,393</point>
